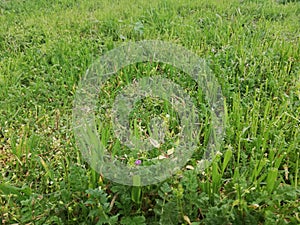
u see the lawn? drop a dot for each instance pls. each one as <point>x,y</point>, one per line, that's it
<point>251,47</point>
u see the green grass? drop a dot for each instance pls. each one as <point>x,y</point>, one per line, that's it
<point>253,48</point>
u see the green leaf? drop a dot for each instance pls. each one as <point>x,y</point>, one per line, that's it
<point>136,193</point>
<point>22,193</point>
<point>137,220</point>
<point>271,178</point>
<point>227,157</point>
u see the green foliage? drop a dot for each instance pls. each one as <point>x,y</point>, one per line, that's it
<point>137,220</point>
<point>251,46</point>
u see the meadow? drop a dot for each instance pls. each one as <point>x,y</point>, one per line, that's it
<point>251,46</point>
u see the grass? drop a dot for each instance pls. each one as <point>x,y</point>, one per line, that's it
<point>252,48</point>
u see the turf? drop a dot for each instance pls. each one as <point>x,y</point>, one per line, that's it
<point>253,49</point>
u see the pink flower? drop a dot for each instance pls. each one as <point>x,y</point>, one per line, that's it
<point>138,162</point>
